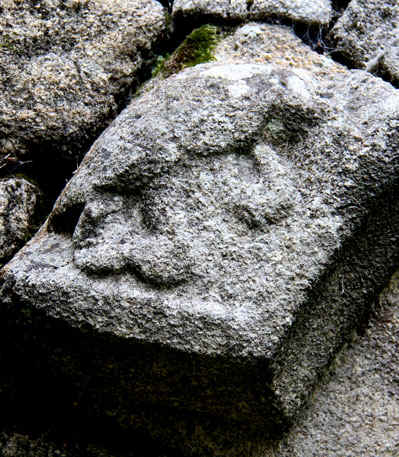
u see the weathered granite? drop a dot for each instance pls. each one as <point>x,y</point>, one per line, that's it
<point>19,445</point>
<point>266,43</point>
<point>202,259</point>
<point>250,43</point>
<point>355,411</point>
<point>18,206</point>
<point>387,64</point>
<point>366,32</point>
<point>65,67</point>
<point>309,11</point>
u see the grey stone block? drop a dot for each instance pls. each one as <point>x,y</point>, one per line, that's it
<point>318,12</point>
<point>365,31</point>
<point>18,208</point>
<point>66,66</point>
<point>216,246</point>
<point>355,411</point>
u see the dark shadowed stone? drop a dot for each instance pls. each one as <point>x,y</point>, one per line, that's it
<point>66,66</point>
<point>355,411</point>
<point>17,444</point>
<point>215,247</point>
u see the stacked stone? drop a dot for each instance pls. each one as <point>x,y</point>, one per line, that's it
<point>225,237</point>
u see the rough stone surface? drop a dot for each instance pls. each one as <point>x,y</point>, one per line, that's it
<point>355,412</point>
<point>265,43</point>
<point>202,258</point>
<point>65,66</point>
<point>366,31</point>
<point>18,203</point>
<point>254,43</point>
<point>316,11</point>
<point>387,65</point>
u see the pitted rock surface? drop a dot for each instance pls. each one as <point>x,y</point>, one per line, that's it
<point>266,43</point>
<point>256,43</point>
<point>316,11</point>
<point>387,64</point>
<point>355,412</point>
<point>18,204</point>
<point>366,35</point>
<point>214,216</point>
<point>65,66</point>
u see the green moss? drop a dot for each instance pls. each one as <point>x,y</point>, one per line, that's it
<point>159,65</point>
<point>168,21</point>
<point>197,48</point>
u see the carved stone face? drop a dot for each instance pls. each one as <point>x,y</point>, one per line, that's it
<point>206,228</point>
<point>189,223</point>
<point>213,223</point>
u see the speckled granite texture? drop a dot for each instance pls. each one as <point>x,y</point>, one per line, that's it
<point>311,11</point>
<point>18,205</point>
<point>366,34</point>
<point>65,66</point>
<point>355,412</point>
<point>222,241</point>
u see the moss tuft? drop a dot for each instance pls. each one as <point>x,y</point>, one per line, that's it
<point>159,65</point>
<point>196,48</point>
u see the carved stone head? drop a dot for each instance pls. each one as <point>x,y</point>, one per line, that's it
<point>212,220</point>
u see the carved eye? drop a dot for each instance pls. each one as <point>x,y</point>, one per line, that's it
<point>64,221</point>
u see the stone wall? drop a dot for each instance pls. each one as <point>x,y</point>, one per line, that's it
<point>200,219</point>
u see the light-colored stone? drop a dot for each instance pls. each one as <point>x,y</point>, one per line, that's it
<point>265,43</point>
<point>18,202</point>
<point>310,11</point>
<point>366,30</point>
<point>250,43</point>
<point>65,66</point>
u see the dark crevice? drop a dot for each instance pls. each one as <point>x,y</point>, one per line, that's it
<point>65,221</point>
<point>382,72</point>
<point>168,4</point>
<point>314,36</point>
<point>389,79</point>
<point>343,59</point>
<point>340,5</point>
